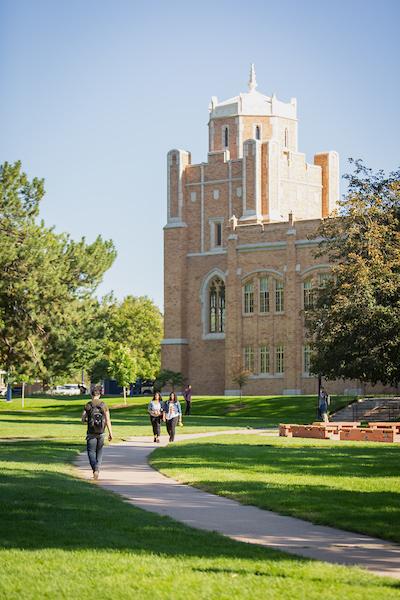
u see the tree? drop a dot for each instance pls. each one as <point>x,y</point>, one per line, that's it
<point>122,366</point>
<point>167,377</point>
<point>354,327</point>
<point>241,376</point>
<point>137,323</point>
<point>46,277</point>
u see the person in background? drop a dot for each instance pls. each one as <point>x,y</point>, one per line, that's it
<point>323,404</point>
<point>187,394</point>
<point>155,409</point>
<point>173,415</point>
<point>97,417</point>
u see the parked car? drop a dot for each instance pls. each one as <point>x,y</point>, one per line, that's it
<point>69,389</point>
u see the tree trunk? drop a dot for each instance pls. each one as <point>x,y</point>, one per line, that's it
<point>124,388</point>
<point>23,394</point>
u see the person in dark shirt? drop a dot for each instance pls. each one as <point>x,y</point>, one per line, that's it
<point>187,394</point>
<point>97,417</point>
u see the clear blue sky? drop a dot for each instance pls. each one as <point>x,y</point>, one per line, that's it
<point>94,94</point>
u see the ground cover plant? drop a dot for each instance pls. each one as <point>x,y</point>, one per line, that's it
<point>63,537</point>
<point>353,486</point>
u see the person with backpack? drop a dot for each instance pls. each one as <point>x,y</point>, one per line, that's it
<point>97,417</point>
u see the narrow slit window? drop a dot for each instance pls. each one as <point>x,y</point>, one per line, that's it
<point>258,135</point>
<point>218,234</point>
<point>279,296</point>
<point>226,137</point>
<point>279,359</point>
<point>264,360</point>
<point>264,295</point>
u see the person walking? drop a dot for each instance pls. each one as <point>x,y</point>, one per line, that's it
<point>173,415</point>
<point>323,404</point>
<point>187,394</point>
<point>97,417</point>
<point>155,410</point>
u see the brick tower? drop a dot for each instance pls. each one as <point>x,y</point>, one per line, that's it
<point>239,268</point>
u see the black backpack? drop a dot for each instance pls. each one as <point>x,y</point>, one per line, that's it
<point>96,418</point>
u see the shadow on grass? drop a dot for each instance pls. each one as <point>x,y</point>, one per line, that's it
<point>42,507</point>
<point>374,512</point>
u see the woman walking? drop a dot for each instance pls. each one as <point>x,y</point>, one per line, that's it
<point>155,409</point>
<point>173,415</point>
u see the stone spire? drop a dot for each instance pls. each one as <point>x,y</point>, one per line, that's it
<point>252,79</point>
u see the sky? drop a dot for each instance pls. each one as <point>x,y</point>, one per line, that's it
<point>93,94</point>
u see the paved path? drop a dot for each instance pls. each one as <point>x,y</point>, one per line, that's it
<point>126,471</point>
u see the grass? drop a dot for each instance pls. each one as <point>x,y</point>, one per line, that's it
<point>63,537</point>
<point>353,486</point>
<point>60,417</point>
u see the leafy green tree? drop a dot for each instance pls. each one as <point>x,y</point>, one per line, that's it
<point>355,326</point>
<point>46,277</point>
<point>122,366</point>
<point>137,323</point>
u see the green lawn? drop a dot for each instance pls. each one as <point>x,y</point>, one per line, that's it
<point>354,486</point>
<point>59,417</point>
<point>63,537</point>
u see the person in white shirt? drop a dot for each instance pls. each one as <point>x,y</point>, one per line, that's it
<point>173,415</point>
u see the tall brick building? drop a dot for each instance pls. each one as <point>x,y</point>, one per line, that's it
<point>239,267</point>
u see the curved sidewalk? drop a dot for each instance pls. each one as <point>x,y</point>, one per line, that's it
<point>126,471</point>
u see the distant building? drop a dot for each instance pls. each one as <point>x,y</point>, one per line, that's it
<point>239,267</point>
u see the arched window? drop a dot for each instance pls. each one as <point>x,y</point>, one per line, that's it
<point>226,137</point>
<point>216,306</point>
<point>286,138</point>
<point>257,132</point>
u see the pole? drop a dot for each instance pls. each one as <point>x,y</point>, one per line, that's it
<point>319,394</point>
<point>23,394</point>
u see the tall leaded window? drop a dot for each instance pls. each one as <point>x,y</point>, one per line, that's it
<point>249,358</point>
<point>264,359</point>
<point>308,294</point>
<point>264,295</point>
<point>306,359</point>
<point>279,359</point>
<point>248,298</point>
<point>279,296</point>
<point>226,137</point>
<point>216,308</point>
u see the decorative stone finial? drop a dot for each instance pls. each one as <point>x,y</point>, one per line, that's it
<point>252,79</point>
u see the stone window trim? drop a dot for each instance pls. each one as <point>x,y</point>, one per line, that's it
<point>204,303</point>
<point>216,194</point>
<point>216,233</point>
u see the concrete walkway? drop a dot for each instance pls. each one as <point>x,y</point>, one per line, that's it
<point>126,471</point>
